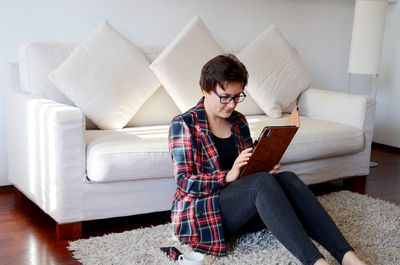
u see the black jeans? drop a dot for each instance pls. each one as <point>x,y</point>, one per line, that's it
<point>286,206</point>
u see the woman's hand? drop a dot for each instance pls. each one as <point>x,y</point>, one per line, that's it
<point>240,161</point>
<point>277,168</point>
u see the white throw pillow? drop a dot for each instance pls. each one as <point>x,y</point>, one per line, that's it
<point>179,65</point>
<point>150,114</point>
<point>107,77</point>
<point>277,75</point>
<point>248,107</point>
<point>38,59</point>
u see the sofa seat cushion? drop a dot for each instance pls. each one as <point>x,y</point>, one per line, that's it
<point>316,139</point>
<point>127,154</point>
<point>142,152</point>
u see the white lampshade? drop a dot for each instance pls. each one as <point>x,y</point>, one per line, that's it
<point>367,37</point>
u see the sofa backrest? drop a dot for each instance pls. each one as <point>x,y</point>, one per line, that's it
<point>10,78</point>
<point>38,59</point>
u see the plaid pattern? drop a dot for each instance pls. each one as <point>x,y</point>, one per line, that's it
<point>172,252</point>
<point>195,212</point>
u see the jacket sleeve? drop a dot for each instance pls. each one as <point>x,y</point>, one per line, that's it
<point>182,149</point>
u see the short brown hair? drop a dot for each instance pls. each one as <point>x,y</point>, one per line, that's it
<point>221,70</point>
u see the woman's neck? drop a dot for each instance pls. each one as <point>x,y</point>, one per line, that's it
<point>219,126</point>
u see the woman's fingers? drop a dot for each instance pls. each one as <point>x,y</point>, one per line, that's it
<point>243,158</point>
<point>276,169</point>
<point>243,163</point>
<point>247,150</point>
<point>240,163</point>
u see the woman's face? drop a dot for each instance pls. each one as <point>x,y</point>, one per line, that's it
<point>213,105</point>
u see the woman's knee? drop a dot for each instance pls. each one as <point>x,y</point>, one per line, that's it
<point>262,180</point>
<point>289,178</point>
<point>267,185</point>
<point>287,175</point>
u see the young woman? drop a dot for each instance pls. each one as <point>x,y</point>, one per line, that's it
<point>209,144</point>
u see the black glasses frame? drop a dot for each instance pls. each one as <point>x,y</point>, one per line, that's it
<point>227,99</point>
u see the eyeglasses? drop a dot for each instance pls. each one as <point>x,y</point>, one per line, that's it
<point>227,99</point>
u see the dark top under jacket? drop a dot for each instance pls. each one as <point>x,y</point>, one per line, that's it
<point>227,151</point>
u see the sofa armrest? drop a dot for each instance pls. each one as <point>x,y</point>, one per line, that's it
<point>354,110</point>
<point>46,153</point>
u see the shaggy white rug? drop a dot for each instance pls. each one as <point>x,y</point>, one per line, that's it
<point>372,227</point>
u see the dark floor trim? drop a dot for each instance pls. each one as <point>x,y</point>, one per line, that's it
<point>386,147</point>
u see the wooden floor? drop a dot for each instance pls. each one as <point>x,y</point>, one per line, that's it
<point>27,235</point>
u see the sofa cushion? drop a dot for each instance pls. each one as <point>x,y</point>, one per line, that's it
<point>277,75</point>
<point>179,65</point>
<point>142,152</point>
<point>129,153</point>
<point>37,60</point>
<point>316,139</point>
<point>150,114</point>
<point>107,77</point>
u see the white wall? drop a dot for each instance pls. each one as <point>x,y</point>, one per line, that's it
<point>319,29</point>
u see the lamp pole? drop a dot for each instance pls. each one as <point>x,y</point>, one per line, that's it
<point>367,41</point>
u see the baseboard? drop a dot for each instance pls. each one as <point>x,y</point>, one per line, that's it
<point>6,188</point>
<point>386,147</point>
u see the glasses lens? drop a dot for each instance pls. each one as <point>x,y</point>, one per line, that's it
<point>225,100</point>
<point>237,99</point>
<point>240,98</point>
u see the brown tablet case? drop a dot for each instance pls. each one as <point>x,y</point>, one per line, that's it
<point>271,145</point>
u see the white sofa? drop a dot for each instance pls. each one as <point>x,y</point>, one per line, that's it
<point>75,174</point>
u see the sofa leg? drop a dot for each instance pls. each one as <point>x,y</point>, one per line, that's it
<point>69,231</point>
<point>356,184</point>
<point>63,231</point>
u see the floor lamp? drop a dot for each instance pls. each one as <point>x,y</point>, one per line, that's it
<point>366,41</point>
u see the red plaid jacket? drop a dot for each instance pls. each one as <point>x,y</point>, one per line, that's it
<point>195,212</point>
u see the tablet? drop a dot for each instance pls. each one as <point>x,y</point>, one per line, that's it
<point>271,145</point>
